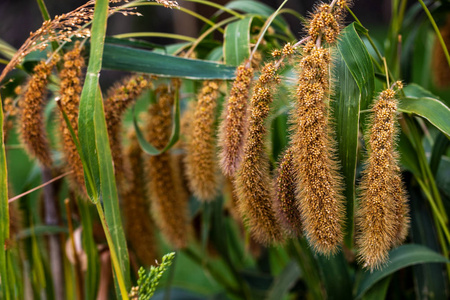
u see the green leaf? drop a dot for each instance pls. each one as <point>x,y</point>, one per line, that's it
<point>401,257</point>
<point>122,58</point>
<point>96,152</point>
<point>258,8</point>
<point>441,144</point>
<point>354,88</point>
<point>149,148</point>
<point>236,44</point>
<point>284,282</point>
<point>335,276</point>
<point>40,230</point>
<point>379,290</point>
<point>4,215</point>
<point>429,108</point>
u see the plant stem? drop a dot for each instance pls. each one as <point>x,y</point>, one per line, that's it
<point>436,30</point>
<point>112,250</point>
<point>155,34</point>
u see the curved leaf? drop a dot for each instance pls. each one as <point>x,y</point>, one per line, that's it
<point>122,58</point>
<point>236,44</point>
<point>149,148</point>
<point>284,282</point>
<point>429,108</point>
<point>401,257</point>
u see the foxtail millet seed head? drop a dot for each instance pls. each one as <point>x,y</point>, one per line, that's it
<point>318,183</point>
<point>121,96</point>
<point>70,91</point>
<point>139,226</point>
<point>285,203</point>
<point>382,214</point>
<point>233,127</point>
<point>253,182</point>
<point>169,204</point>
<point>439,65</point>
<point>31,116</point>
<point>201,167</point>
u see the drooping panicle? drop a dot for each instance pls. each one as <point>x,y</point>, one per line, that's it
<point>382,215</point>
<point>201,166</point>
<point>285,203</point>
<point>121,96</point>
<point>169,203</point>
<point>253,180</point>
<point>31,115</point>
<point>234,123</point>
<point>139,225</point>
<point>70,90</point>
<point>318,184</point>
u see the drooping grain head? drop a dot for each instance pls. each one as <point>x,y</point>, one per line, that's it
<point>234,123</point>
<point>139,226</point>
<point>382,215</point>
<point>253,182</point>
<point>440,67</point>
<point>119,98</point>
<point>169,203</point>
<point>70,91</point>
<point>285,203</point>
<point>31,116</point>
<point>201,167</point>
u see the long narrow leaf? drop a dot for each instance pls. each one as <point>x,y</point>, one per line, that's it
<point>401,257</point>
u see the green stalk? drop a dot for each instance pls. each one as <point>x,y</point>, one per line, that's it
<point>436,30</point>
<point>155,34</point>
<point>207,32</point>
<point>218,6</point>
<point>4,216</point>
<point>301,252</point>
<point>185,10</point>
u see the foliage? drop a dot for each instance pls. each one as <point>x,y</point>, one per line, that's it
<point>339,143</point>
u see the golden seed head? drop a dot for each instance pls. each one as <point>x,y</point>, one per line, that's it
<point>169,204</point>
<point>382,216</point>
<point>32,129</point>
<point>200,159</point>
<point>70,91</point>
<point>234,122</point>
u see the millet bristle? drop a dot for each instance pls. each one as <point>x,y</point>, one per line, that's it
<point>139,227</point>
<point>169,207</point>
<point>201,167</point>
<point>233,127</point>
<point>253,181</point>
<point>31,116</point>
<point>285,203</point>
<point>118,99</point>
<point>382,219</point>
<point>70,90</point>
<point>318,184</point>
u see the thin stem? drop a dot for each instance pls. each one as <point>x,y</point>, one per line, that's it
<point>185,10</point>
<point>206,33</point>
<point>387,72</point>
<point>155,34</point>
<point>112,250</point>
<point>39,187</point>
<point>436,30</point>
<point>265,27</point>
<point>218,6</point>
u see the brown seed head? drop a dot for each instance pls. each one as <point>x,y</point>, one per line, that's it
<point>253,182</point>
<point>70,91</point>
<point>121,96</point>
<point>382,213</point>
<point>201,165</point>
<point>169,204</point>
<point>233,127</point>
<point>285,195</point>
<point>31,119</point>
<point>139,225</point>
<point>318,182</point>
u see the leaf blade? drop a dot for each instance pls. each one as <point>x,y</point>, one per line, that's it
<point>236,45</point>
